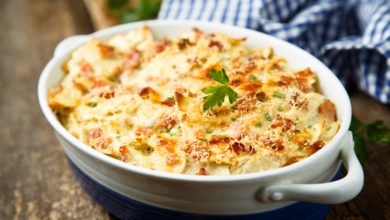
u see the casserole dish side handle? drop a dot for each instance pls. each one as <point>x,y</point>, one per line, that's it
<point>68,42</point>
<point>328,193</point>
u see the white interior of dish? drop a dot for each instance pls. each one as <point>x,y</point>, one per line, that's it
<point>329,85</point>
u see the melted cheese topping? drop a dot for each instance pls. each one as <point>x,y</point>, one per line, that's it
<point>140,100</point>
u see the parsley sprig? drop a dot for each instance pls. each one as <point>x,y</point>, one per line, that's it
<point>144,9</point>
<point>375,132</point>
<point>216,94</point>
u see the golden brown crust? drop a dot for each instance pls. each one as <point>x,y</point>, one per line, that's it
<point>140,100</point>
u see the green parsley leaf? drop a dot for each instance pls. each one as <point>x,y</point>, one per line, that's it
<point>93,104</point>
<point>211,89</point>
<point>219,76</point>
<point>144,9</point>
<point>233,119</point>
<point>268,116</point>
<point>300,148</point>
<point>232,95</point>
<point>216,94</point>
<point>216,98</point>
<point>356,124</point>
<point>113,4</point>
<point>259,125</point>
<point>279,95</point>
<point>375,132</point>
<point>361,149</point>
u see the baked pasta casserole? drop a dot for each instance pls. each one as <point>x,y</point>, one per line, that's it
<point>200,104</point>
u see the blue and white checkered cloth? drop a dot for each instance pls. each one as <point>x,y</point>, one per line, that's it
<point>351,36</point>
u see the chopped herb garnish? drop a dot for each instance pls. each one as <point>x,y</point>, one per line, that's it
<point>173,133</point>
<point>310,126</point>
<point>115,79</point>
<point>279,95</point>
<point>216,94</point>
<point>93,104</point>
<point>233,119</point>
<point>280,109</point>
<point>173,66</point>
<point>259,125</point>
<point>253,77</point>
<point>170,98</point>
<point>300,148</point>
<point>268,116</point>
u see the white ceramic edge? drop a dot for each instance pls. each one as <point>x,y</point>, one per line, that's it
<point>43,94</point>
<point>68,43</point>
<point>238,207</point>
<point>338,191</point>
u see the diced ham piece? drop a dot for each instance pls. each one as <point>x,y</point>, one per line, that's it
<point>95,133</point>
<point>133,60</point>
<point>201,172</point>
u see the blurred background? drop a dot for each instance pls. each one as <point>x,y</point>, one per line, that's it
<point>35,180</point>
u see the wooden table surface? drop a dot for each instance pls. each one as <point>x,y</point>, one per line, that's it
<point>35,180</point>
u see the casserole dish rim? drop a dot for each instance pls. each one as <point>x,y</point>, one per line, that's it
<point>228,29</point>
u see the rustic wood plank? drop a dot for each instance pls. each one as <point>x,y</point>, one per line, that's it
<point>374,201</point>
<point>35,180</point>
<point>99,15</point>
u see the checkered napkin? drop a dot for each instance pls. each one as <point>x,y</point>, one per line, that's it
<point>351,36</point>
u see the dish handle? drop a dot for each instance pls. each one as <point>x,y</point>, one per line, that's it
<point>338,191</point>
<point>67,43</point>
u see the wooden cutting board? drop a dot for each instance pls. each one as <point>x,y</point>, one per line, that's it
<point>100,15</point>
